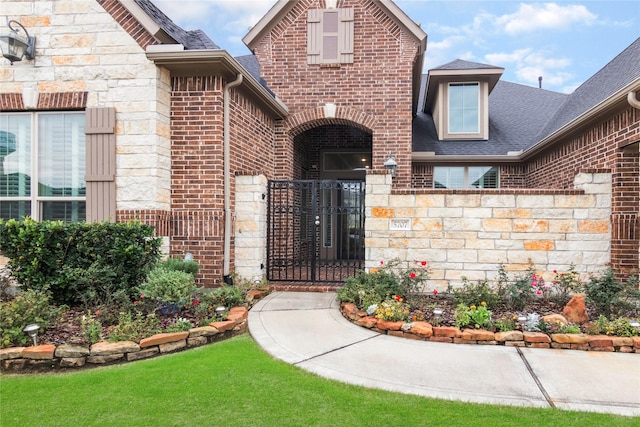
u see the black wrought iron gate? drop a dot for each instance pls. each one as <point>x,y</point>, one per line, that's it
<point>315,230</point>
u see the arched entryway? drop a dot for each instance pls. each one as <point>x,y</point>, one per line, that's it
<point>316,221</point>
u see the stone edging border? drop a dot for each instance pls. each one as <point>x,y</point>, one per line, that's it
<point>48,357</point>
<point>450,334</point>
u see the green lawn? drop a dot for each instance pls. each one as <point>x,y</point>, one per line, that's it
<point>234,383</point>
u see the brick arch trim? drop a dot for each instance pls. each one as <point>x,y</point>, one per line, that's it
<point>308,119</point>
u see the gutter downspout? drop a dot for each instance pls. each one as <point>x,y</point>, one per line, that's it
<point>632,98</point>
<point>227,182</point>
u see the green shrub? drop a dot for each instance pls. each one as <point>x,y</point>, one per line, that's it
<point>207,300</point>
<point>91,328</point>
<point>565,285</point>
<point>169,287</point>
<point>610,296</point>
<point>30,306</point>
<point>506,323</point>
<point>54,255</point>
<point>134,327</point>
<point>516,293</point>
<point>177,264</point>
<point>474,316</point>
<point>475,294</point>
<point>365,289</point>
<point>620,327</point>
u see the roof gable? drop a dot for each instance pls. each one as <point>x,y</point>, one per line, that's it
<point>282,7</point>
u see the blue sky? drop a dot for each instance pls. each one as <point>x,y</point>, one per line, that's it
<point>565,42</point>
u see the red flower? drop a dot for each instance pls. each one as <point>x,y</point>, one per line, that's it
<point>397,298</point>
<point>423,263</point>
<point>141,295</point>
<point>412,275</point>
<point>435,292</point>
<point>98,312</point>
<point>555,271</point>
<point>196,302</point>
<point>381,262</point>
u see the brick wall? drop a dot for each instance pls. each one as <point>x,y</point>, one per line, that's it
<point>378,84</point>
<point>197,159</point>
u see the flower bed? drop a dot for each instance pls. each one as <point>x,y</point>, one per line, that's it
<point>49,357</point>
<point>421,330</point>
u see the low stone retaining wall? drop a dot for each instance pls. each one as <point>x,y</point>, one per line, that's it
<point>48,357</point>
<point>426,332</point>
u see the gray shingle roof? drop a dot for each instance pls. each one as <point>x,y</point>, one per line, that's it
<point>521,116</point>
<point>620,72</point>
<point>191,40</point>
<point>517,113</point>
<point>460,64</point>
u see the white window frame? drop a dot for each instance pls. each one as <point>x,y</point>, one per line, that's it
<point>466,184</point>
<point>36,201</point>
<point>478,109</point>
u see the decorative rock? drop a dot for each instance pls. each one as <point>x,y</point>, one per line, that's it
<point>388,325</point>
<point>72,362</point>
<point>555,319</point>
<point>600,341</point>
<point>238,314</point>
<point>514,343</point>
<point>579,347</point>
<point>367,322</point>
<point>99,360</point>
<point>441,339</point>
<point>11,353</point>
<point>206,331</point>
<point>104,348</point>
<point>446,331</point>
<point>477,335</point>
<point>622,341</point>
<point>255,295</point>
<point>172,346</point>
<point>14,364</point>
<point>143,354</point>
<point>570,338</point>
<point>71,351</point>
<point>509,336</point>
<point>605,348</point>
<point>196,341</point>
<point>39,352</point>
<point>225,325</point>
<point>536,337</point>
<point>422,329</point>
<point>576,310</point>
<point>350,311</point>
<point>158,339</point>
<point>539,345</point>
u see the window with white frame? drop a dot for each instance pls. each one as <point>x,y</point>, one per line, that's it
<point>465,177</point>
<point>464,108</point>
<point>42,166</point>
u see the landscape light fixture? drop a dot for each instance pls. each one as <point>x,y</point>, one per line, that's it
<point>32,331</point>
<point>391,165</point>
<point>437,315</point>
<point>15,46</point>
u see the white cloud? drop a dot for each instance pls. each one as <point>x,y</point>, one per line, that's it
<point>535,16</point>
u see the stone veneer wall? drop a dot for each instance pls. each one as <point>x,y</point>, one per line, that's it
<point>84,58</point>
<point>469,233</point>
<point>250,226</point>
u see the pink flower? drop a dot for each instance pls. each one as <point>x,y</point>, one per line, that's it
<point>538,292</point>
<point>141,295</point>
<point>381,262</point>
<point>435,292</point>
<point>98,312</point>
<point>519,291</point>
<point>412,275</point>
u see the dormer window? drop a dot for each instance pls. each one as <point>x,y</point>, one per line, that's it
<point>464,108</point>
<point>330,36</point>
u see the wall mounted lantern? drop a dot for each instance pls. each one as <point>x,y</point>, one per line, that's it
<point>391,165</point>
<point>15,46</point>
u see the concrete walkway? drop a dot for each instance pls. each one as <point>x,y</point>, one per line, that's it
<point>306,329</point>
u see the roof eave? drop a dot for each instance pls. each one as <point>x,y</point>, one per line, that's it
<point>215,62</point>
<point>147,22</point>
<point>430,157</point>
<point>264,25</point>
